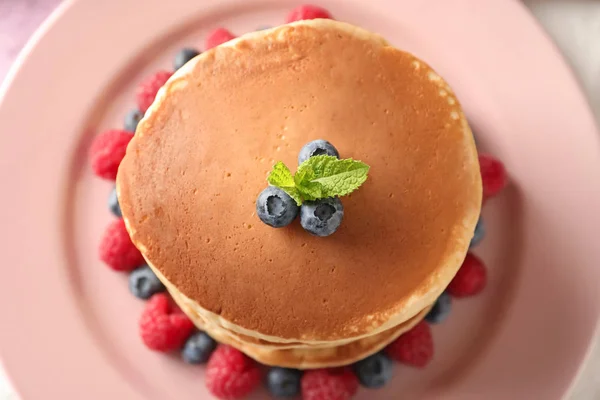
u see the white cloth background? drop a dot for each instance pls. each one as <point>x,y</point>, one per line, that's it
<point>574,25</point>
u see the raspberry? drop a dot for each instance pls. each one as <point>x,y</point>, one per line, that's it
<point>307,11</point>
<point>217,37</point>
<point>163,328</point>
<point>230,374</point>
<point>348,378</point>
<point>147,90</point>
<point>414,347</point>
<point>107,152</point>
<point>117,250</point>
<point>493,175</point>
<point>329,384</point>
<point>470,279</point>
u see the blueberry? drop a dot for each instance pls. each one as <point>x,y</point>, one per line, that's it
<point>184,55</point>
<point>198,348</point>
<point>440,310</point>
<point>284,382</point>
<point>374,371</point>
<point>132,119</point>
<point>479,233</point>
<point>143,283</point>
<point>322,217</point>
<point>113,203</point>
<point>262,28</point>
<point>275,207</point>
<point>317,148</point>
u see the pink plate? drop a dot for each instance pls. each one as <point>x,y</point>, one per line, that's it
<point>69,325</point>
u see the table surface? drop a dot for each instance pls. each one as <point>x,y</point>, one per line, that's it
<point>573,24</point>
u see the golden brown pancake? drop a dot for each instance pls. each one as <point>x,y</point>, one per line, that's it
<point>307,358</point>
<point>335,352</point>
<point>189,182</point>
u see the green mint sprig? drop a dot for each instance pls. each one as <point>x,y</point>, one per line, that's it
<point>319,177</point>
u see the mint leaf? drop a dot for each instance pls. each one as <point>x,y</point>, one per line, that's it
<point>319,177</point>
<point>281,177</point>
<point>334,177</point>
<point>311,190</point>
<point>308,189</point>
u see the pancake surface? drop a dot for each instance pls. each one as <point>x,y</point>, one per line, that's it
<point>191,176</point>
<point>303,357</point>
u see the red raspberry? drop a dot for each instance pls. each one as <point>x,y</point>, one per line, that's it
<point>329,384</point>
<point>230,374</point>
<point>307,11</point>
<point>147,90</point>
<point>107,152</point>
<point>414,347</point>
<point>117,250</point>
<point>217,37</point>
<point>493,175</point>
<point>162,327</point>
<point>470,279</point>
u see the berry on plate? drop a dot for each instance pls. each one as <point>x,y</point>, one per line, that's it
<point>307,11</point>
<point>414,347</point>
<point>329,384</point>
<point>230,374</point>
<point>374,371</point>
<point>322,217</point>
<point>113,203</point>
<point>147,90</point>
<point>275,207</point>
<point>162,327</point>
<point>117,250</point>
<point>479,233</point>
<point>132,119</point>
<point>493,175</point>
<point>470,279</point>
<point>184,55</point>
<point>440,310</point>
<point>218,37</point>
<point>284,382</point>
<point>198,348</point>
<point>107,152</point>
<point>143,283</point>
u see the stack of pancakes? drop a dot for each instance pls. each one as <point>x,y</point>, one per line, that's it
<point>200,157</point>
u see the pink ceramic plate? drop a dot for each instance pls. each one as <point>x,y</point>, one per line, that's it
<point>69,325</point>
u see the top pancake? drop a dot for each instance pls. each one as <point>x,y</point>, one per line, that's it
<point>190,179</point>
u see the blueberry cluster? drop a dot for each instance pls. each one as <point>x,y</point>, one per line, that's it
<point>321,217</point>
